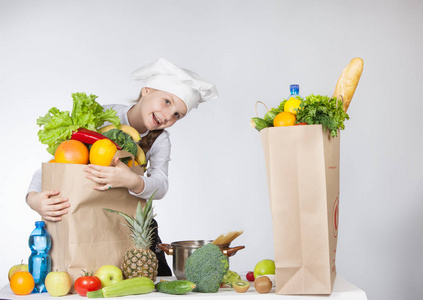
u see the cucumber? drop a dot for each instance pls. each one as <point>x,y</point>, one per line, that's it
<point>259,123</point>
<point>131,286</point>
<point>270,115</point>
<point>175,287</point>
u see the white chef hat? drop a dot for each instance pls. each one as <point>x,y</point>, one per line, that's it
<point>165,76</point>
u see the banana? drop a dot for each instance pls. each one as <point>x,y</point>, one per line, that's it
<point>140,158</point>
<point>106,128</point>
<point>125,128</point>
<point>135,135</point>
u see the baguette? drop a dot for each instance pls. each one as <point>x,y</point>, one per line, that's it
<point>348,81</point>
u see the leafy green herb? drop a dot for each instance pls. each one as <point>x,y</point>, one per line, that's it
<point>317,109</point>
<point>86,113</point>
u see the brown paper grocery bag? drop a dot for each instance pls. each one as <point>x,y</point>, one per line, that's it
<point>87,237</point>
<point>302,165</point>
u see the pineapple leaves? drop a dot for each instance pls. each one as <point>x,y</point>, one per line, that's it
<point>139,214</point>
<point>127,218</point>
<point>140,224</point>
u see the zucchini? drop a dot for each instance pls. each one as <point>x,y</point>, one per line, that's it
<point>259,123</point>
<point>131,286</point>
<point>175,287</point>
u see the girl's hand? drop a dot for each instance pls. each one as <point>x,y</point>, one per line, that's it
<point>48,208</point>
<point>119,175</point>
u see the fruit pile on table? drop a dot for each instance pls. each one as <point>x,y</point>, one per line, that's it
<point>108,281</point>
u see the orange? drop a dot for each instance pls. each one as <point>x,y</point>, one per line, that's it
<point>102,152</point>
<point>131,164</point>
<point>292,105</point>
<point>52,161</point>
<point>22,283</point>
<point>284,119</point>
<point>71,152</point>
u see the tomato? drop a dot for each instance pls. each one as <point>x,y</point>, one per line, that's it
<point>301,123</point>
<point>87,283</point>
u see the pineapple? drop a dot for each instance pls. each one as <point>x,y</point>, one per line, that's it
<point>139,260</point>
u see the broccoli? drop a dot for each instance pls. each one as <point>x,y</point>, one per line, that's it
<point>206,267</point>
<point>124,140</point>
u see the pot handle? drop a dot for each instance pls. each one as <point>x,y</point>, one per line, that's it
<point>166,248</point>
<point>231,251</point>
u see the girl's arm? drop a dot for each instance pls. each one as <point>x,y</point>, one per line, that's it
<point>140,186</point>
<point>120,175</point>
<point>51,209</point>
<point>157,172</point>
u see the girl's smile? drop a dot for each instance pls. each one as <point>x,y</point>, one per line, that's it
<point>157,120</point>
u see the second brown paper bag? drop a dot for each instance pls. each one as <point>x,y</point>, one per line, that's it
<point>302,164</point>
<point>87,237</point>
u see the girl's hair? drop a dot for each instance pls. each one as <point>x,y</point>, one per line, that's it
<point>147,141</point>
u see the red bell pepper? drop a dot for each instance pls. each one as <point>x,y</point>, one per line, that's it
<point>87,136</point>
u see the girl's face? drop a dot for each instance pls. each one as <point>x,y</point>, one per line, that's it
<point>159,109</point>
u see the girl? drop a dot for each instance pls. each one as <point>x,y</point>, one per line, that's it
<point>168,95</point>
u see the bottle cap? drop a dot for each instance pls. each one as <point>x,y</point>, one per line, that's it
<point>294,87</point>
<point>39,224</point>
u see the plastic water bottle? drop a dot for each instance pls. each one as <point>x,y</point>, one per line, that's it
<point>39,262</point>
<point>295,91</point>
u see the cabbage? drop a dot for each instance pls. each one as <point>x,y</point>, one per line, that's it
<point>86,113</point>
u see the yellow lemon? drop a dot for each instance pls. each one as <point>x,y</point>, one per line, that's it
<point>102,152</point>
<point>292,105</point>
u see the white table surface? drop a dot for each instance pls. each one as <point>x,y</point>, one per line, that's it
<point>342,290</point>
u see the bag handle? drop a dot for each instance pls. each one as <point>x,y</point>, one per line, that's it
<point>123,154</point>
<point>263,105</point>
<point>139,170</point>
<point>342,99</point>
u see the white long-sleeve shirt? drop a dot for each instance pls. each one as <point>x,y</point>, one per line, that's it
<point>158,158</point>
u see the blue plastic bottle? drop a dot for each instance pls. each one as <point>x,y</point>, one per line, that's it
<point>295,90</point>
<point>39,262</point>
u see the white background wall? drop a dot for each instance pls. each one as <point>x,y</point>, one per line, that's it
<point>252,50</point>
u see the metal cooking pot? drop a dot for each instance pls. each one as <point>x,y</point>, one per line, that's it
<point>183,249</point>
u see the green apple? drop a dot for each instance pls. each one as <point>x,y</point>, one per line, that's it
<point>17,268</point>
<point>109,274</point>
<point>58,283</point>
<point>264,267</point>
